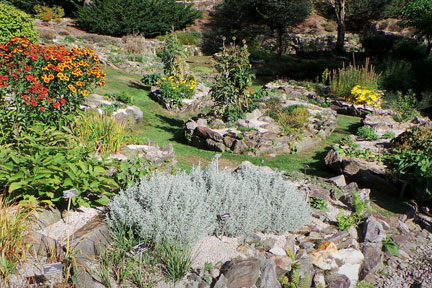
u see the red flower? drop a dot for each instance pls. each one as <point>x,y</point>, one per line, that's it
<point>63,101</point>
<point>25,96</point>
<point>49,99</point>
<point>5,78</point>
<point>56,105</point>
<point>42,108</point>
<point>26,102</point>
<point>33,103</point>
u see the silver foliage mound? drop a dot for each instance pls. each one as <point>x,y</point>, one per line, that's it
<point>185,207</point>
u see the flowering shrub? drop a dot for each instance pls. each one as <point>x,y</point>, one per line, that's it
<point>45,83</point>
<point>174,90</point>
<point>363,95</point>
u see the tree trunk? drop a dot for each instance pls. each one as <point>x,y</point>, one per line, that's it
<point>340,16</point>
<point>280,40</point>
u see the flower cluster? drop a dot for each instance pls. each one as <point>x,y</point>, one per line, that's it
<point>48,79</point>
<point>363,95</point>
<point>174,90</point>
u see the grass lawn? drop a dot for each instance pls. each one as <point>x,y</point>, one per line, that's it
<point>164,128</point>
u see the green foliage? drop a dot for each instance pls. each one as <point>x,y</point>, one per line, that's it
<point>16,23</point>
<point>294,281</point>
<point>318,203</point>
<point>343,80</point>
<point>291,119</point>
<point>397,75</point>
<point>40,166</point>
<point>231,89</point>
<point>91,128</point>
<point>28,5</point>
<point>131,171</point>
<point>151,79</point>
<point>47,13</point>
<point>125,17</point>
<point>361,208</point>
<point>176,259</point>
<point>364,284</point>
<point>122,97</point>
<point>109,109</point>
<point>388,135</point>
<point>368,133</point>
<point>185,207</point>
<point>390,246</point>
<point>418,13</point>
<point>188,38</point>
<point>404,104</point>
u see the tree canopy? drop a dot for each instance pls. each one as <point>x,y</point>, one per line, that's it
<point>418,14</point>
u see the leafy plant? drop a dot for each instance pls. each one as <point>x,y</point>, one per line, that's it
<point>404,104</point>
<point>361,208</point>
<point>390,246</point>
<point>175,90</point>
<point>109,109</point>
<point>416,14</point>
<point>186,206</point>
<point>132,170</point>
<point>295,281</point>
<point>291,118</point>
<point>39,167</point>
<point>318,203</point>
<point>15,23</point>
<point>119,17</point>
<point>92,128</point>
<point>151,79</point>
<point>367,132</point>
<point>364,284</point>
<point>231,89</point>
<point>345,79</point>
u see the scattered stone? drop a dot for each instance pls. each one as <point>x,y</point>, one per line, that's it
<point>268,277</point>
<point>338,281</point>
<point>326,256</point>
<point>339,181</point>
<point>241,273</point>
<point>373,231</point>
<point>278,251</point>
<point>373,258</point>
<point>283,264</point>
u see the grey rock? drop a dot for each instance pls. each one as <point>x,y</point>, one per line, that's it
<point>334,161</point>
<point>241,273</point>
<point>347,197</point>
<point>255,114</point>
<point>191,125</point>
<point>290,245</point>
<point>267,244</point>
<point>338,281</point>
<point>221,282</point>
<point>373,231</point>
<point>372,258</point>
<point>128,116</point>
<point>239,146</point>
<point>44,217</point>
<point>306,271</point>
<point>268,277</point>
<point>215,146</point>
<point>251,239</point>
<point>41,245</point>
<point>403,227</point>
<point>207,133</point>
<point>339,181</point>
<point>202,122</point>
<point>91,239</point>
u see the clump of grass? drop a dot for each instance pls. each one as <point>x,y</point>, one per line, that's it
<point>344,79</point>
<point>176,259</point>
<point>13,225</point>
<point>92,128</point>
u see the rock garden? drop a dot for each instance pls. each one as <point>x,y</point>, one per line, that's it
<point>140,148</point>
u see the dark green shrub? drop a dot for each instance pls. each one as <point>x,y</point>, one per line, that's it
<point>188,38</point>
<point>404,104</point>
<point>151,79</point>
<point>397,75</point>
<point>28,5</point>
<point>124,17</point>
<point>15,23</point>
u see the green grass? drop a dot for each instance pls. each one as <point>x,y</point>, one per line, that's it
<point>164,128</point>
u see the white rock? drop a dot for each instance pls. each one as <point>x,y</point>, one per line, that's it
<point>278,251</point>
<point>351,256</point>
<point>351,271</point>
<point>255,114</point>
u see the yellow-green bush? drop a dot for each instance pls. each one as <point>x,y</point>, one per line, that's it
<point>46,13</point>
<point>14,22</point>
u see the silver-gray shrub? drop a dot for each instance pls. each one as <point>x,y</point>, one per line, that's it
<point>185,207</point>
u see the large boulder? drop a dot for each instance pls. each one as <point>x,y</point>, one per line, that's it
<point>241,273</point>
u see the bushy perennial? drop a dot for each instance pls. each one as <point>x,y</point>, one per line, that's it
<point>185,207</point>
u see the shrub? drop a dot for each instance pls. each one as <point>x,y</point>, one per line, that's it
<point>413,161</point>
<point>403,104</point>
<point>231,89</point>
<point>47,84</point>
<point>345,79</point>
<point>368,133</point>
<point>47,13</point>
<point>121,97</point>
<point>92,128</point>
<point>397,75</point>
<point>291,118</point>
<point>185,207</point>
<point>151,79</point>
<point>15,23</point>
<point>125,17</point>
<point>175,90</point>
<point>188,38</point>
<point>388,135</point>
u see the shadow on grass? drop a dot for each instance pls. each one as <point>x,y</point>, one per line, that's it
<point>174,127</point>
<point>389,202</point>
<point>318,167</point>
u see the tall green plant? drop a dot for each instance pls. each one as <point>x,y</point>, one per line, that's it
<point>343,80</point>
<point>231,90</point>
